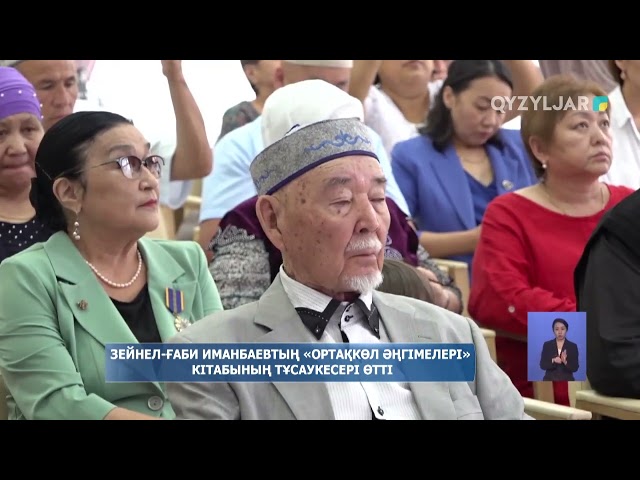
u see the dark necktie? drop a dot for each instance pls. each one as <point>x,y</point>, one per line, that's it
<point>316,322</point>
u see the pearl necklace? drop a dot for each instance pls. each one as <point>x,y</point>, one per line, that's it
<point>114,284</point>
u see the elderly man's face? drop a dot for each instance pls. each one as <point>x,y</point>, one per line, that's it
<point>332,226</point>
<point>56,84</point>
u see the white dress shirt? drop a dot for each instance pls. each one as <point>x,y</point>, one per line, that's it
<point>353,400</point>
<point>625,164</point>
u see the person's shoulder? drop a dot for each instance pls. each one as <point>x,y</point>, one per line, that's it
<point>510,201</point>
<point>243,214</point>
<point>34,257</point>
<point>408,148</point>
<point>511,135</point>
<point>225,326</point>
<point>625,203</point>
<point>451,326</point>
<point>243,106</point>
<point>570,343</point>
<point>621,192</point>
<point>243,137</point>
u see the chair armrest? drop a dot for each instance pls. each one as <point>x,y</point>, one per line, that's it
<point>541,410</point>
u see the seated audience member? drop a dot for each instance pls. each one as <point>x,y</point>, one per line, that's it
<point>20,134</point>
<point>606,285</point>
<point>625,104</point>
<point>532,239</point>
<point>462,160</point>
<point>322,204</point>
<point>400,278</point>
<point>398,94</point>
<point>187,158</point>
<point>245,262</point>
<point>96,280</point>
<point>230,183</point>
<point>261,75</point>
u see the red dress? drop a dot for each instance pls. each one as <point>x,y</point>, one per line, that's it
<point>524,262</point>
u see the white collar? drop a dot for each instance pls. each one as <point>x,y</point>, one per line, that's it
<point>302,296</point>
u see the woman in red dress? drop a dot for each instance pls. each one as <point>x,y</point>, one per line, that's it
<point>531,239</point>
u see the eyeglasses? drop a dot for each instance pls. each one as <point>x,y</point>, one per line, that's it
<point>131,166</point>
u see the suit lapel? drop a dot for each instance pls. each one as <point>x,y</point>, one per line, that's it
<point>91,306</point>
<point>433,398</point>
<point>308,401</point>
<point>505,182</point>
<point>164,272</point>
<point>453,179</point>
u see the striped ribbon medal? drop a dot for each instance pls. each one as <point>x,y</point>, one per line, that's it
<point>174,300</point>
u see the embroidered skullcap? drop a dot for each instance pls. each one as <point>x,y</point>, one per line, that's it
<point>322,63</point>
<point>17,95</point>
<point>304,125</point>
<point>303,103</point>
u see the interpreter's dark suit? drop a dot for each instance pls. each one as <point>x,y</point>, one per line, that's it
<point>559,372</point>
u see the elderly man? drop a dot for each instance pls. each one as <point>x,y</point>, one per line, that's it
<point>245,262</point>
<point>189,158</point>
<point>322,203</point>
<point>230,183</point>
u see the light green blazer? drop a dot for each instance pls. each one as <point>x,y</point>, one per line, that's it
<point>52,352</point>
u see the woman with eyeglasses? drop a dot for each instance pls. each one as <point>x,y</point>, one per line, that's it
<point>97,279</point>
<point>20,134</point>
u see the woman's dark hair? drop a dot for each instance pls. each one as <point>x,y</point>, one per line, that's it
<point>439,124</point>
<point>400,278</point>
<point>62,153</point>
<point>562,321</point>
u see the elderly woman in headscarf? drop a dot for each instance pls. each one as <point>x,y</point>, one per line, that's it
<point>20,134</point>
<point>96,280</point>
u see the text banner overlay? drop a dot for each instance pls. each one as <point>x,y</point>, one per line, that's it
<point>290,362</point>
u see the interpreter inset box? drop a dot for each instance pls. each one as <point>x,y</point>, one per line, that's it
<point>557,347</point>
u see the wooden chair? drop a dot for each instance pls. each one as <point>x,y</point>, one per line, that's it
<point>459,272</point>
<point>193,203</point>
<point>601,405</point>
<point>490,337</point>
<point>541,410</point>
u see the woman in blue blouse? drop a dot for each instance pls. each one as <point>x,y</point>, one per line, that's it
<point>462,160</point>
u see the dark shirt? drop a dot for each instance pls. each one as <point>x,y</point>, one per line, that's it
<point>482,195</point>
<point>16,237</point>
<point>139,317</point>
<point>236,117</point>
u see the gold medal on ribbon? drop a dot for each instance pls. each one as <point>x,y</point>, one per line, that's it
<point>174,300</point>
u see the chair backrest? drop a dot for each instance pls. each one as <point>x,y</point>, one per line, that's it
<point>490,338</point>
<point>459,272</point>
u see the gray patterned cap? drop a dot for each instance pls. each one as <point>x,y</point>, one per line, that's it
<point>305,148</point>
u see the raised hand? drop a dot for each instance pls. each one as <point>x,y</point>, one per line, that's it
<point>172,69</point>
